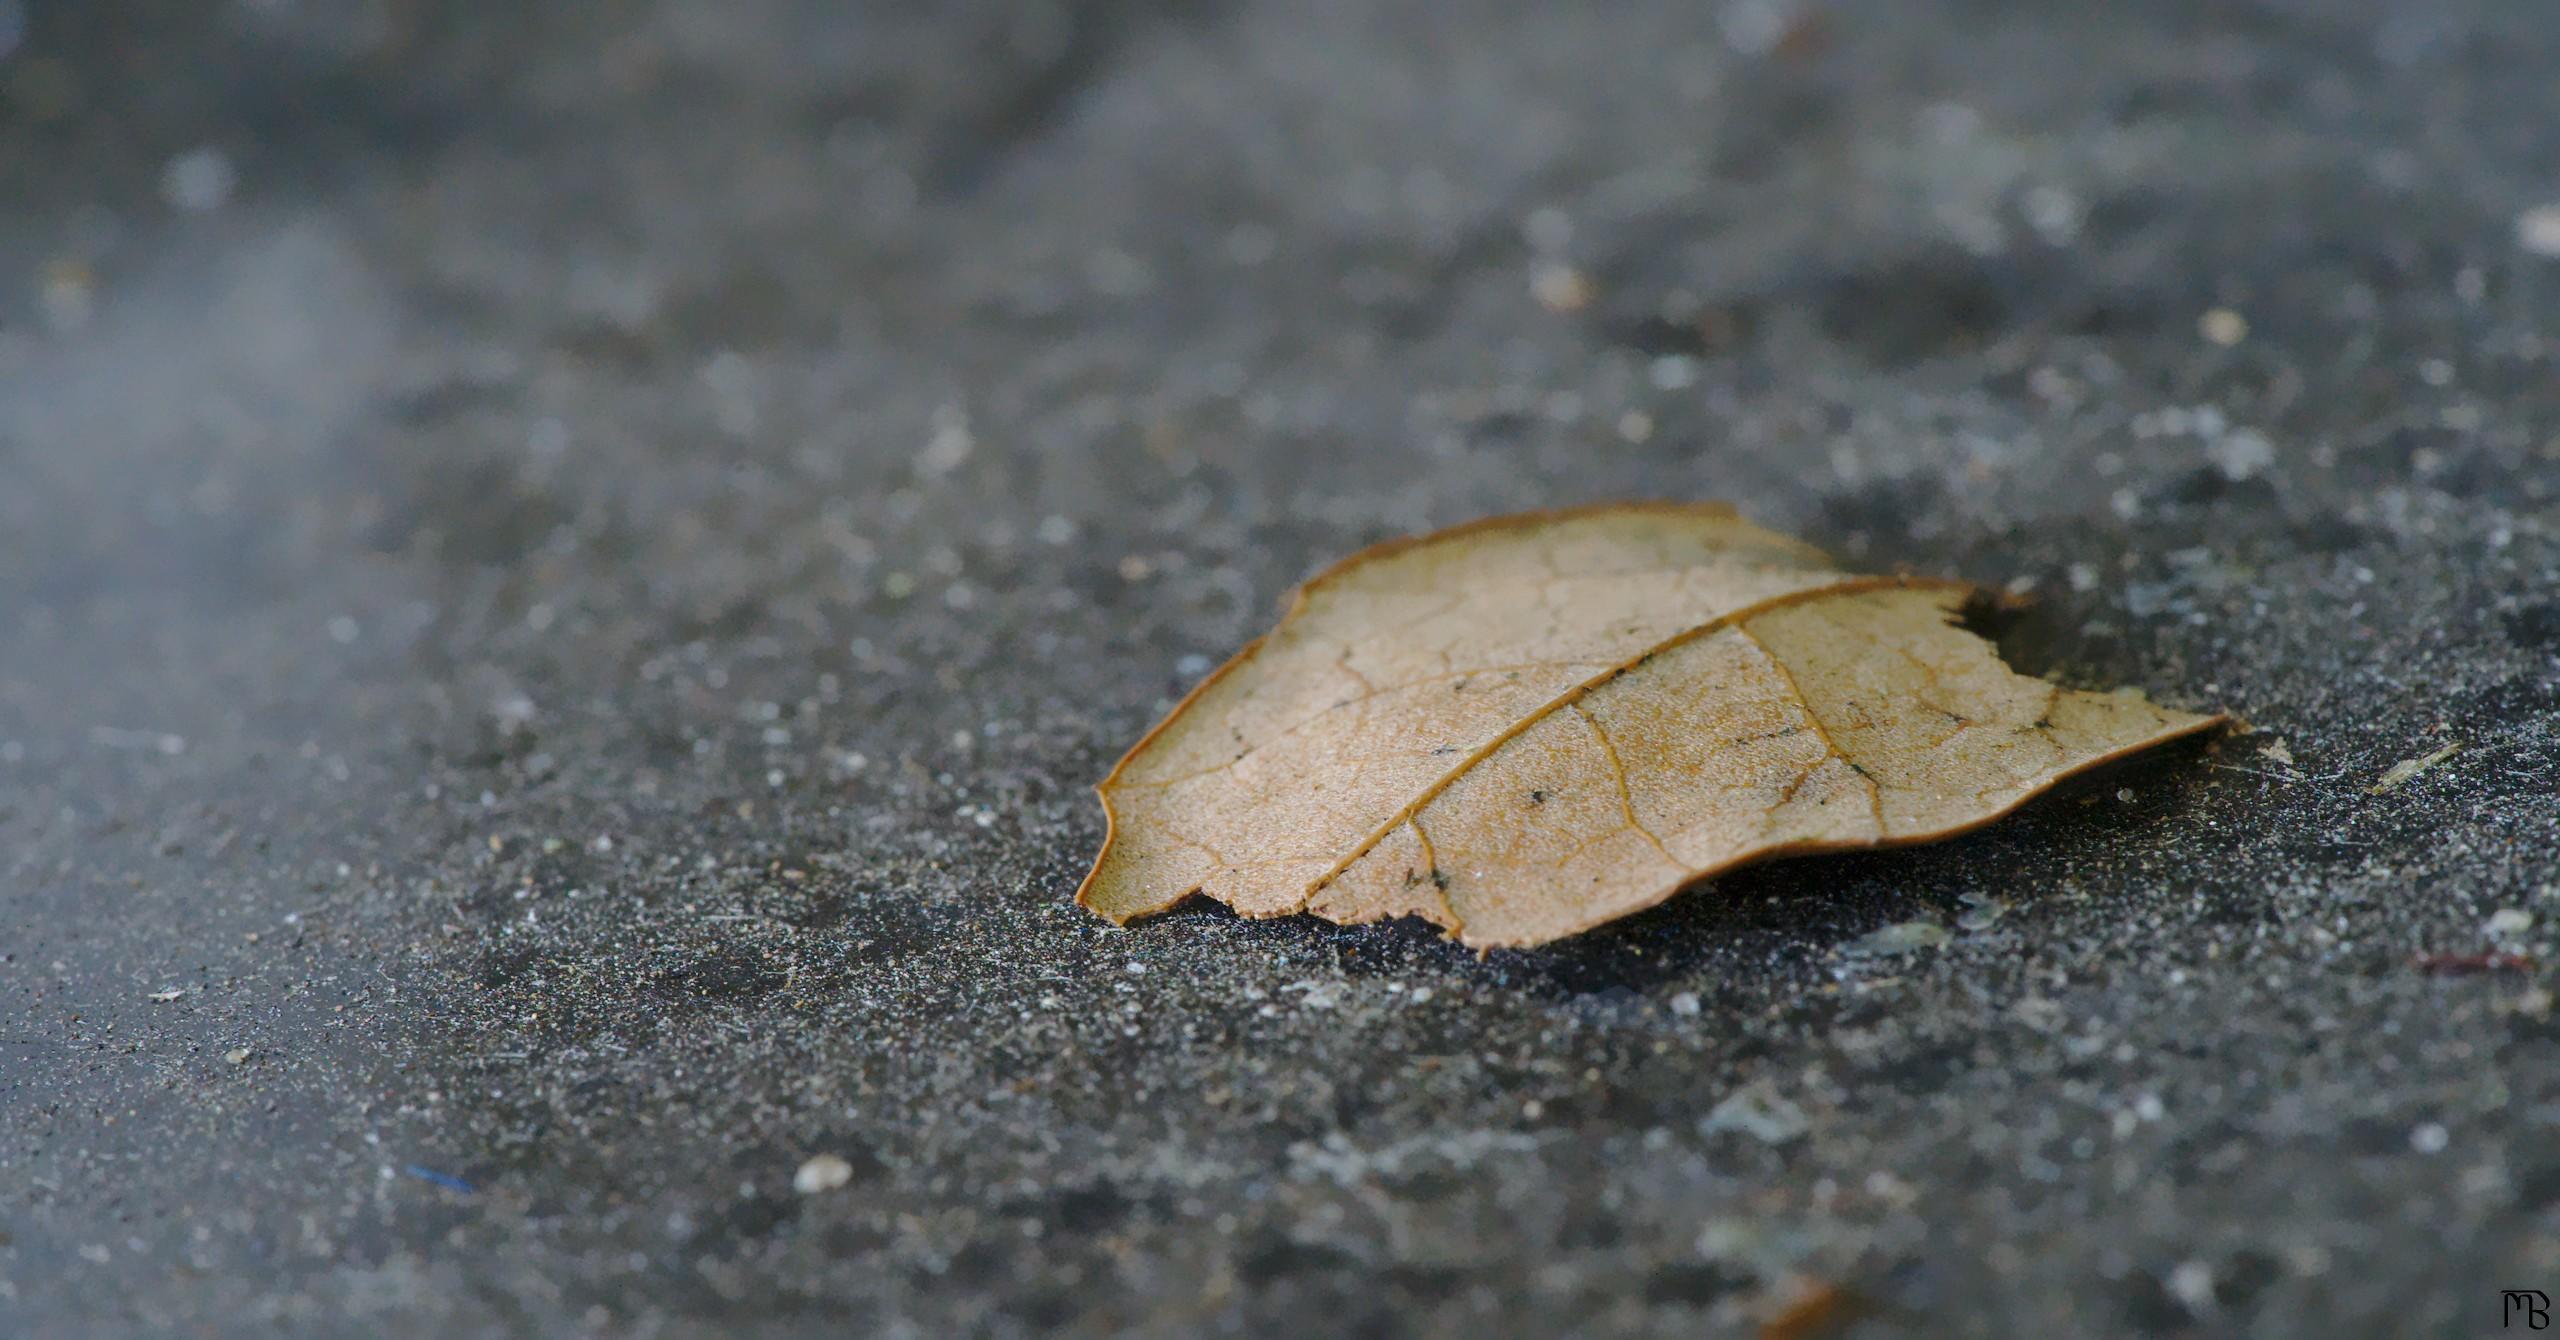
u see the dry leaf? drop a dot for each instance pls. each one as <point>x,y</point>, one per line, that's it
<point>1396,665</point>
<point>1527,726</point>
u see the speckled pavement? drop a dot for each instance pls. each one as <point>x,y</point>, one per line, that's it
<point>566,572</point>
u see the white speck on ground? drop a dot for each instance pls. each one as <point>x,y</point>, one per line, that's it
<point>949,447</point>
<point>2191,1283</point>
<point>822,1172</point>
<point>2241,453</point>
<point>2222,326</point>
<point>1759,1111</point>
<point>2538,230</point>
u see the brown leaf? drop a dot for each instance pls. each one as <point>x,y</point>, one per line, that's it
<point>1527,726</point>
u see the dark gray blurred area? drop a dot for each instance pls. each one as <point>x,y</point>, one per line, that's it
<point>566,570</point>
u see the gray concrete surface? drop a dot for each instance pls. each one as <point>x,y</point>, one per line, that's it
<point>565,572</point>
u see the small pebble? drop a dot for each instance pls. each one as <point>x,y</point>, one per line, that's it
<point>950,445</point>
<point>2430,1138</point>
<point>824,1172</point>
<point>1559,288</point>
<point>2538,229</point>
<point>237,1055</point>
<point>1685,1004</point>
<point>2192,1283</point>
<point>1759,1111</point>
<point>2242,453</point>
<point>2223,326</point>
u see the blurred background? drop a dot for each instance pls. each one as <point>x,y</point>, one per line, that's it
<point>565,570</point>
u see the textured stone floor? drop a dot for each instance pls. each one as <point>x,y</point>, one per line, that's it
<point>565,573</point>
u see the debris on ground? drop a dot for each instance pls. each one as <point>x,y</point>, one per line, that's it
<point>2407,770</point>
<point>822,1172</point>
<point>1902,937</point>
<point>1759,1111</point>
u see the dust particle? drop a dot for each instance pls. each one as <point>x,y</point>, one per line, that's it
<point>2538,229</point>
